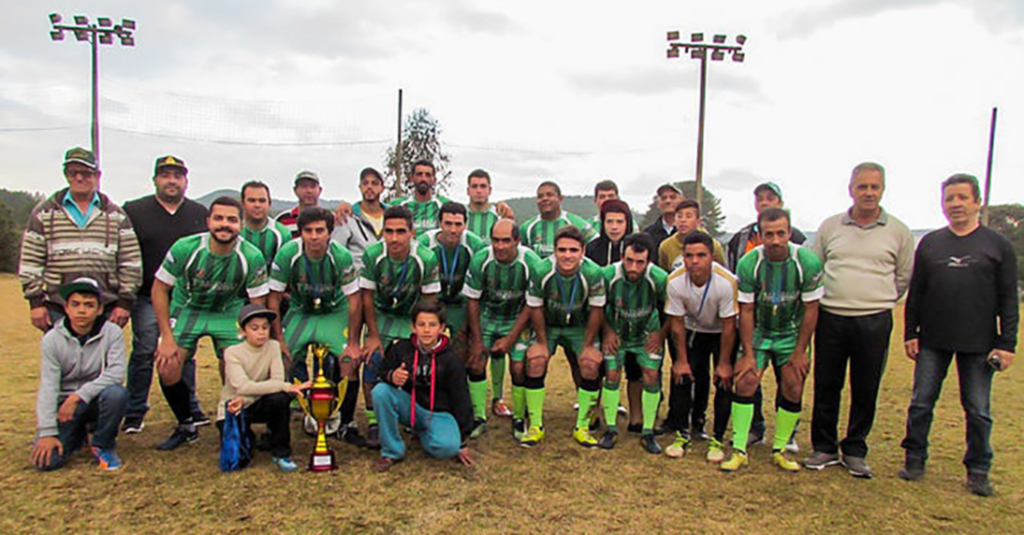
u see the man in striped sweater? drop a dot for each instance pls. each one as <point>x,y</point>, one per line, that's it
<point>78,232</point>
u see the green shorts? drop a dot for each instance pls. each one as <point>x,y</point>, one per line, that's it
<point>647,360</point>
<point>570,338</point>
<point>392,327</point>
<point>773,350</point>
<point>301,330</point>
<point>189,325</point>
<point>456,316</point>
<point>491,330</point>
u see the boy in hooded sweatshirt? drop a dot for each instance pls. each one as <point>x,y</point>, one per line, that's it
<point>616,223</point>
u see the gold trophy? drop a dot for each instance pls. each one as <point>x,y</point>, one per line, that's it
<point>321,402</point>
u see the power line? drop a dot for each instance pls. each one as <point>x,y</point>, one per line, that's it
<point>253,143</point>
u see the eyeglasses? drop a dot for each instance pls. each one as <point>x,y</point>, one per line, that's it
<point>85,173</point>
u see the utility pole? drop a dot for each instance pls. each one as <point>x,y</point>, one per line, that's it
<point>398,149</point>
<point>988,169</point>
<point>101,33</point>
<point>699,50</point>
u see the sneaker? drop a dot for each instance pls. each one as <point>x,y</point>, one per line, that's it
<point>373,436</point>
<point>532,437</point>
<point>913,469</point>
<point>349,434</point>
<point>518,428</point>
<point>979,485</point>
<point>677,449</point>
<point>607,441</point>
<point>200,419</point>
<point>181,435</point>
<point>792,446</point>
<point>780,460</point>
<point>263,443</point>
<point>500,409</point>
<point>698,433</point>
<point>285,464</point>
<point>622,411</point>
<point>107,459</point>
<point>636,429</point>
<point>716,452</point>
<point>132,425</point>
<point>857,466</point>
<point>479,428</point>
<point>384,464</point>
<point>735,462</point>
<point>584,438</point>
<point>820,460</point>
<point>755,438</point>
<point>650,444</point>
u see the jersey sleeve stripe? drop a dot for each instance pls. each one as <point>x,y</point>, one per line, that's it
<point>258,291</point>
<point>277,286</point>
<point>745,297</point>
<point>165,276</point>
<point>813,295</point>
<point>471,293</point>
<point>432,288</point>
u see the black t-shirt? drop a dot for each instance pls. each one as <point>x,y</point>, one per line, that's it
<point>960,286</point>
<point>158,229</point>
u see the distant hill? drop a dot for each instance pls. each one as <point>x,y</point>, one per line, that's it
<point>277,205</point>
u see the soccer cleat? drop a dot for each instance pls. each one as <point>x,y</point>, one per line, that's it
<point>107,459</point>
<point>780,460</point>
<point>285,464</point>
<point>479,428</point>
<point>132,425</point>
<point>677,449</point>
<point>200,419</point>
<point>716,452</point>
<point>979,485</point>
<point>584,438</point>
<point>349,434</point>
<point>500,409</point>
<point>650,444</point>
<point>607,441</point>
<point>635,428</point>
<point>181,435</point>
<point>820,460</point>
<point>532,437</point>
<point>735,462</point>
<point>518,428</point>
<point>913,469</point>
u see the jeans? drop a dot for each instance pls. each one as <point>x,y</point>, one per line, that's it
<point>975,397</point>
<point>103,414</point>
<point>863,341</point>
<point>438,431</point>
<point>145,334</point>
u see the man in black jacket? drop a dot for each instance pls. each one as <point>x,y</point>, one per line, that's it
<point>615,223</point>
<point>423,385</point>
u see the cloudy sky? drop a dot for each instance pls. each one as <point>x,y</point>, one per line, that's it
<point>571,91</point>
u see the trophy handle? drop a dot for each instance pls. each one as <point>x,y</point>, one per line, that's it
<point>303,403</point>
<point>342,389</point>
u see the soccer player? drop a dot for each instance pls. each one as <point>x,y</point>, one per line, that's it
<point>424,204</point>
<point>200,286</point>
<point>670,253</point>
<point>397,273</point>
<point>321,279</point>
<point>702,307</point>
<point>635,289</point>
<point>538,232</point>
<point>266,234</point>
<point>307,190</point>
<point>482,214</point>
<point>566,299</point>
<point>779,289</point>
<point>496,286</point>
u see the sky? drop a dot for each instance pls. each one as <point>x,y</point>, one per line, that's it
<point>569,91</point>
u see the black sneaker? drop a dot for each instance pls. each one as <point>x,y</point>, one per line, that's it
<point>913,469</point>
<point>697,432</point>
<point>132,425</point>
<point>755,437</point>
<point>373,437</point>
<point>263,443</point>
<point>518,428</point>
<point>979,485</point>
<point>650,444</point>
<point>200,419</point>
<point>636,429</point>
<point>349,434</point>
<point>180,436</point>
<point>607,441</point>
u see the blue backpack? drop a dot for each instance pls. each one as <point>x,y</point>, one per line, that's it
<point>235,449</point>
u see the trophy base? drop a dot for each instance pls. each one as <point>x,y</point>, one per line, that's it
<point>322,462</point>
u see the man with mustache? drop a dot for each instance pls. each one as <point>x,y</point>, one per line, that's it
<point>423,203</point>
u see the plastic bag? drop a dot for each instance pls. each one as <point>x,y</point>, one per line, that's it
<point>235,446</point>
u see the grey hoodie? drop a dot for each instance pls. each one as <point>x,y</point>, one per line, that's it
<point>70,367</point>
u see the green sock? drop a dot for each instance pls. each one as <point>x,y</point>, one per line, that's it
<point>742,417</point>
<point>518,402</point>
<point>610,400</point>
<point>535,404</point>
<point>649,405</point>
<point>497,377</point>
<point>587,399</point>
<point>785,423</point>
<point>371,417</point>
<point>478,395</point>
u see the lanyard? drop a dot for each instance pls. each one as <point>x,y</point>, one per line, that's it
<point>572,298</point>
<point>776,292</point>
<point>700,308</point>
<point>314,287</point>
<point>401,280</point>
<point>449,274</point>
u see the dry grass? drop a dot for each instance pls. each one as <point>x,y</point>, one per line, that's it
<point>557,487</point>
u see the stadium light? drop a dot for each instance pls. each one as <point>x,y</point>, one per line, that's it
<point>698,49</point>
<point>102,33</point>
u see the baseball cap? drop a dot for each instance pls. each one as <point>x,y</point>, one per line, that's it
<point>82,285</point>
<point>306,175</point>
<point>169,161</point>
<point>770,186</point>
<point>253,310</point>
<point>80,155</point>
<point>664,187</point>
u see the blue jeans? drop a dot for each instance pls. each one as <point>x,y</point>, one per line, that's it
<point>103,414</point>
<point>975,397</point>
<point>145,333</point>
<point>438,431</point>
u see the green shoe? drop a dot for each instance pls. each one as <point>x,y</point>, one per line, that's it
<point>716,452</point>
<point>677,449</point>
<point>532,437</point>
<point>737,461</point>
<point>584,438</point>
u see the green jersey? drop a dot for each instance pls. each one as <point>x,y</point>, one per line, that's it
<point>397,284</point>
<point>205,281</point>
<point>632,307</point>
<point>539,234</point>
<point>318,286</point>
<point>480,223</point>
<point>454,263</point>
<point>424,214</point>
<point>779,290</point>
<point>566,300</point>
<point>269,239</point>
<point>501,288</point>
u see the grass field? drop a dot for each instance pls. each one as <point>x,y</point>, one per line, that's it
<point>558,487</point>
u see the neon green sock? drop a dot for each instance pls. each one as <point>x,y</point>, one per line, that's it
<point>535,404</point>
<point>518,402</point>
<point>610,400</point>
<point>649,405</point>
<point>478,395</point>
<point>497,377</point>
<point>371,417</point>
<point>785,423</point>
<point>742,417</point>
<point>587,399</point>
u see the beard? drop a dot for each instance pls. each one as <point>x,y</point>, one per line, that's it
<point>423,188</point>
<point>214,235</point>
<point>170,198</point>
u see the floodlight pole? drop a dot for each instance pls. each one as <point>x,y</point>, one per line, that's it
<point>95,95</point>
<point>700,132</point>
